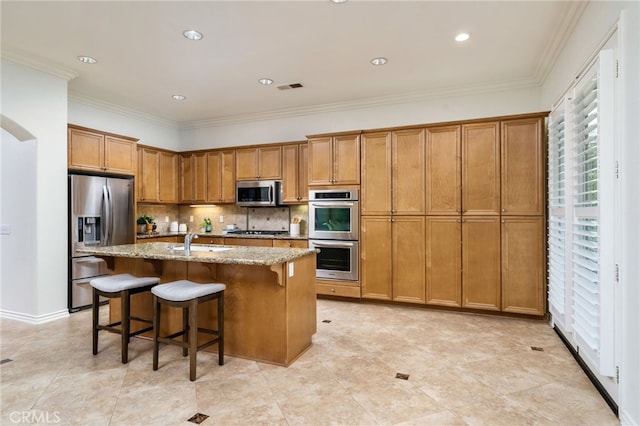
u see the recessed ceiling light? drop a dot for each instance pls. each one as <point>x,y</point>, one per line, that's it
<point>87,59</point>
<point>379,61</point>
<point>192,34</point>
<point>462,37</point>
<point>265,81</point>
<point>338,1</point>
<point>179,97</point>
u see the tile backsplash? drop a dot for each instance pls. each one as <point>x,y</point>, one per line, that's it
<point>262,218</point>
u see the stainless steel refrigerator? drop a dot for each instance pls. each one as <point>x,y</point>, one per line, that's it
<point>101,213</point>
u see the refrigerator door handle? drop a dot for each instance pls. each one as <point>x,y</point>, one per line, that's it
<point>106,205</point>
<point>111,216</point>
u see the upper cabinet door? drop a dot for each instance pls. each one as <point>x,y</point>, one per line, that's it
<point>294,173</point>
<point>375,181</point>
<point>481,169</point>
<point>259,163</point>
<point>85,150</point>
<point>270,163</point>
<point>408,172</point>
<point>167,177</point>
<point>97,151</point>
<point>247,164</point>
<point>221,176</point>
<point>443,171</point>
<point>148,175</point>
<point>119,155</point>
<point>334,160</point>
<point>346,160</point>
<point>320,161</point>
<point>193,178</point>
<point>522,167</point>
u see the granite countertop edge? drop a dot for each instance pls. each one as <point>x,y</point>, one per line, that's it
<point>239,255</point>
<point>223,235</point>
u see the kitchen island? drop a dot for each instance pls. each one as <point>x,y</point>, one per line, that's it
<point>270,300</point>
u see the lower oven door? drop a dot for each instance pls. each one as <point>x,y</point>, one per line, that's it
<point>337,260</point>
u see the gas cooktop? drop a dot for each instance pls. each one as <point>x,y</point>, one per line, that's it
<point>256,232</point>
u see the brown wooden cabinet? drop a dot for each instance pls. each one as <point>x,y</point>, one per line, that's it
<point>337,288</point>
<point>444,261</point>
<point>193,177</point>
<point>376,248</point>
<point>156,180</point>
<point>159,240</point>
<point>393,258</point>
<point>167,177</point>
<point>523,265</point>
<point>262,163</point>
<point>208,240</point>
<point>376,175</point>
<point>481,169</point>
<point>95,151</point>
<point>147,176</point>
<point>334,160</point>
<point>481,263</point>
<point>291,243</point>
<point>523,166</point>
<point>393,173</point>
<point>409,257</point>
<point>221,180</point>
<point>443,171</point>
<point>254,242</point>
<point>294,173</point>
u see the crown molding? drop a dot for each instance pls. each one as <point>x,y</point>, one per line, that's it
<point>120,110</point>
<point>364,103</point>
<point>39,64</point>
<point>562,33</point>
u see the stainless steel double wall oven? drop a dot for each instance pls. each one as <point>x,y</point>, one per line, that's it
<point>333,229</point>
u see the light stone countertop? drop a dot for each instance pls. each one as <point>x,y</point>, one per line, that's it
<point>241,255</point>
<point>223,235</point>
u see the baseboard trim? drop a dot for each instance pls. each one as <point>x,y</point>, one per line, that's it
<point>603,392</point>
<point>34,319</point>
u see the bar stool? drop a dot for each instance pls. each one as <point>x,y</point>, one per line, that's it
<point>119,286</point>
<point>188,295</point>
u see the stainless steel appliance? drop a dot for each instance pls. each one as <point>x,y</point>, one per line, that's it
<point>336,260</point>
<point>333,229</point>
<point>259,193</point>
<point>333,214</point>
<point>101,213</point>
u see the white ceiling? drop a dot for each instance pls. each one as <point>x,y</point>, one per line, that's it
<point>143,58</point>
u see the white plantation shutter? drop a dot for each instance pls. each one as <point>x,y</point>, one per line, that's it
<point>591,230</point>
<point>557,246</point>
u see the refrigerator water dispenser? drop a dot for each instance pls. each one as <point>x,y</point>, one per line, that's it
<point>89,230</point>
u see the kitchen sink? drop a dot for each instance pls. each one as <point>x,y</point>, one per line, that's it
<point>200,247</point>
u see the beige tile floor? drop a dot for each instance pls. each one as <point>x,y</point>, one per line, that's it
<point>463,370</point>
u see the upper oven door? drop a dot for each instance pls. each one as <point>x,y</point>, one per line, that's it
<point>333,220</point>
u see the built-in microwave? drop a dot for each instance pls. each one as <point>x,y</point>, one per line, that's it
<point>259,193</point>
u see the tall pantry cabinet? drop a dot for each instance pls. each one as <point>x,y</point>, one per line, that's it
<point>476,216</point>
<point>392,207</point>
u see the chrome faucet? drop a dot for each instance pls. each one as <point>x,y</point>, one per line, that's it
<point>187,242</point>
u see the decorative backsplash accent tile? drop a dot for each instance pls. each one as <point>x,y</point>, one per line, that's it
<point>262,218</point>
<point>268,218</point>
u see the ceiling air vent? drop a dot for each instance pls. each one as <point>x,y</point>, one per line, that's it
<point>290,86</point>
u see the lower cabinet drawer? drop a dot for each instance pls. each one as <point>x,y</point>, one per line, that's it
<point>331,289</point>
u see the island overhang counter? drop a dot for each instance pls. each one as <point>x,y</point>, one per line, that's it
<point>270,299</point>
